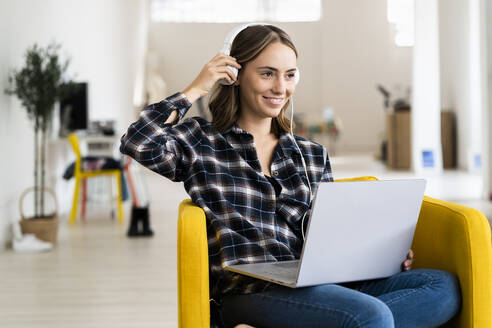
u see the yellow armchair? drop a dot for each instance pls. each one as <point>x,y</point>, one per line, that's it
<point>448,236</point>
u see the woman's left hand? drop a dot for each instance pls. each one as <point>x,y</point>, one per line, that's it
<point>407,264</point>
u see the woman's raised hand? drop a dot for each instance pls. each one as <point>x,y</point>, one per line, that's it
<point>213,71</point>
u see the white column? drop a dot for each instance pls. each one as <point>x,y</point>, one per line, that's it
<point>426,100</point>
<point>143,17</point>
<point>474,152</point>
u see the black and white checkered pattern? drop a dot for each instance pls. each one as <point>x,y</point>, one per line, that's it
<point>246,222</point>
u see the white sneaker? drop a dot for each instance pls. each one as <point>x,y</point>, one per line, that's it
<point>29,243</point>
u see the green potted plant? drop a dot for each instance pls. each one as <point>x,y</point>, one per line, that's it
<point>39,85</point>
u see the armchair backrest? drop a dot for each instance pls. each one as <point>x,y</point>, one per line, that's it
<point>365,178</point>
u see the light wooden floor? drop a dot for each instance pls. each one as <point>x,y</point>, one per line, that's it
<point>97,277</point>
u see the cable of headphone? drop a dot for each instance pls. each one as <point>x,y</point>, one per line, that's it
<point>303,164</point>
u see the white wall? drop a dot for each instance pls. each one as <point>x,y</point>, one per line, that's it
<point>487,83</point>
<point>341,59</point>
<point>100,36</point>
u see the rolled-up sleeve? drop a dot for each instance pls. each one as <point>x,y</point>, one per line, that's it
<point>167,149</point>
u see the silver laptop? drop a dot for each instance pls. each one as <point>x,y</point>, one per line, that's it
<point>358,230</point>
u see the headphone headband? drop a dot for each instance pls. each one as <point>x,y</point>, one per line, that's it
<point>226,49</point>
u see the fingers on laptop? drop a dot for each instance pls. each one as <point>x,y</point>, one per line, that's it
<point>407,264</point>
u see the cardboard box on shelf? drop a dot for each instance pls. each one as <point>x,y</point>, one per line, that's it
<point>398,134</point>
<point>448,139</point>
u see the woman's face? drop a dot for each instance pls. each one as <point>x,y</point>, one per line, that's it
<point>267,82</point>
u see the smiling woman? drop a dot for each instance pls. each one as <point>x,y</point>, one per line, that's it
<point>254,180</point>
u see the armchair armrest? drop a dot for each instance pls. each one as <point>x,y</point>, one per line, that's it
<point>193,280</point>
<point>456,238</point>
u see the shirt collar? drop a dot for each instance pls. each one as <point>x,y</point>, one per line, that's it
<point>286,140</point>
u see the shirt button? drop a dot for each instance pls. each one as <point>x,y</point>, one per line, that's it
<point>271,204</point>
<point>275,173</point>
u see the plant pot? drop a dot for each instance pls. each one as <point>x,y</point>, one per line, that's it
<point>44,228</point>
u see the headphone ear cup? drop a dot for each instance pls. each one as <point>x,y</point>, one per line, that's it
<point>297,76</point>
<point>224,81</point>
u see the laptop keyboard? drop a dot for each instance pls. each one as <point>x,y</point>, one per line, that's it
<point>286,264</point>
<point>285,271</point>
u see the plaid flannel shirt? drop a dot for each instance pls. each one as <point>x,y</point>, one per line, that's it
<point>246,222</point>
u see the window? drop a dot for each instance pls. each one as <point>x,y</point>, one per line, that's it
<point>232,11</point>
<point>401,13</point>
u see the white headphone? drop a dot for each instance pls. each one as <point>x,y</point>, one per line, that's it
<point>226,49</point>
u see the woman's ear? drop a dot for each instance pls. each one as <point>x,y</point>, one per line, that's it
<point>236,83</point>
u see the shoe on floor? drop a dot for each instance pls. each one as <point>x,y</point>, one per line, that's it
<point>29,243</point>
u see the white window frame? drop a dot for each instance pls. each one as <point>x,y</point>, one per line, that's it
<point>401,13</point>
<point>235,11</point>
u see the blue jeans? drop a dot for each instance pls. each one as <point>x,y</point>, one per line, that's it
<point>416,298</point>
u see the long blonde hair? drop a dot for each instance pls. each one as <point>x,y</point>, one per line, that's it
<point>224,103</point>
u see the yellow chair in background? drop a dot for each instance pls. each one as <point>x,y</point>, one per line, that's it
<point>448,236</point>
<point>80,175</point>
